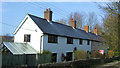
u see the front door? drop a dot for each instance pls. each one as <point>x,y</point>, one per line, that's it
<point>68,56</point>
<point>54,57</point>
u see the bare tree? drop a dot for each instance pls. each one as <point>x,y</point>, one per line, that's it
<point>79,17</point>
<point>92,21</point>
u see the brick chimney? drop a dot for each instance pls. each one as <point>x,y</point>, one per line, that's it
<point>72,23</point>
<point>86,28</point>
<point>95,31</point>
<point>48,14</point>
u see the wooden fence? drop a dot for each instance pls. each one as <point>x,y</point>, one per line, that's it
<point>0,60</point>
<point>25,60</point>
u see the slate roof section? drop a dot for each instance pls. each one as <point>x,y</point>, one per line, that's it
<point>19,48</point>
<point>61,29</point>
<point>94,37</point>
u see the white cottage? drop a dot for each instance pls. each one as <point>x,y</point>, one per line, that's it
<point>45,34</point>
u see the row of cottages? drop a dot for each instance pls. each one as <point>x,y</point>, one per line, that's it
<point>45,34</point>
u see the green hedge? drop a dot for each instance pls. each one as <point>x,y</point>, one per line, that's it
<point>80,54</point>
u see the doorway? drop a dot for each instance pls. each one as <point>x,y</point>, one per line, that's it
<point>54,57</point>
<point>69,56</point>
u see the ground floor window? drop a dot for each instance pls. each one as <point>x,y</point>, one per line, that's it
<point>54,57</point>
<point>69,56</point>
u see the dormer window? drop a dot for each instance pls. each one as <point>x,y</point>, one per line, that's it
<point>27,38</point>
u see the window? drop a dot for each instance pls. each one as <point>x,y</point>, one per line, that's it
<point>88,42</point>
<point>69,40</point>
<point>52,38</point>
<point>80,41</point>
<point>27,38</point>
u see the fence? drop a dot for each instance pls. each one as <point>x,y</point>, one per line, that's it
<point>78,63</point>
<point>44,58</point>
<point>0,60</point>
<point>24,60</point>
<point>71,64</point>
<point>30,60</point>
<point>10,60</point>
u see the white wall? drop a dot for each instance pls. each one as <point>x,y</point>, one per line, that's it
<point>63,47</point>
<point>29,27</point>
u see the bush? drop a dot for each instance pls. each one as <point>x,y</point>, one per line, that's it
<point>46,52</point>
<point>96,54</point>
<point>110,54</point>
<point>116,53</point>
<point>80,54</point>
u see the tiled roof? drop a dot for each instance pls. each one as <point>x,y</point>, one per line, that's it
<point>61,29</point>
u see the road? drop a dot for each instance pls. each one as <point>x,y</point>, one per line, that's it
<point>111,65</point>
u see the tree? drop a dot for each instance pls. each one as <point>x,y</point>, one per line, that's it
<point>62,21</point>
<point>100,29</point>
<point>79,17</point>
<point>92,21</point>
<point>110,23</point>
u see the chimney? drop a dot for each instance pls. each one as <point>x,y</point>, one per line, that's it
<point>48,14</point>
<point>86,28</point>
<point>72,23</point>
<point>96,31</point>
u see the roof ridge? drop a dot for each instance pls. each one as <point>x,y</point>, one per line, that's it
<point>36,16</point>
<point>54,22</point>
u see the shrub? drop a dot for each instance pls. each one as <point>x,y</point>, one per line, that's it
<point>116,53</point>
<point>80,54</point>
<point>110,53</point>
<point>46,52</point>
<point>96,54</point>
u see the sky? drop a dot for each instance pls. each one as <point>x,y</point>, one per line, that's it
<point>14,12</point>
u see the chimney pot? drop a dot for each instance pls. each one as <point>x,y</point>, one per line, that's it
<point>72,23</point>
<point>95,31</point>
<point>49,9</point>
<point>48,14</point>
<point>71,19</point>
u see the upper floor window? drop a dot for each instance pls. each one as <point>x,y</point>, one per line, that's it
<point>27,38</point>
<point>80,41</point>
<point>52,38</point>
<point>88,42</point>
<point>69,40</point>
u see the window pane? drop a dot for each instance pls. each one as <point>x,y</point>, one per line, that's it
<point>52,38</point>
<point>69,40</point>
<point>27,38</point>
<point>80,41</point>
<point>88,42</point>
